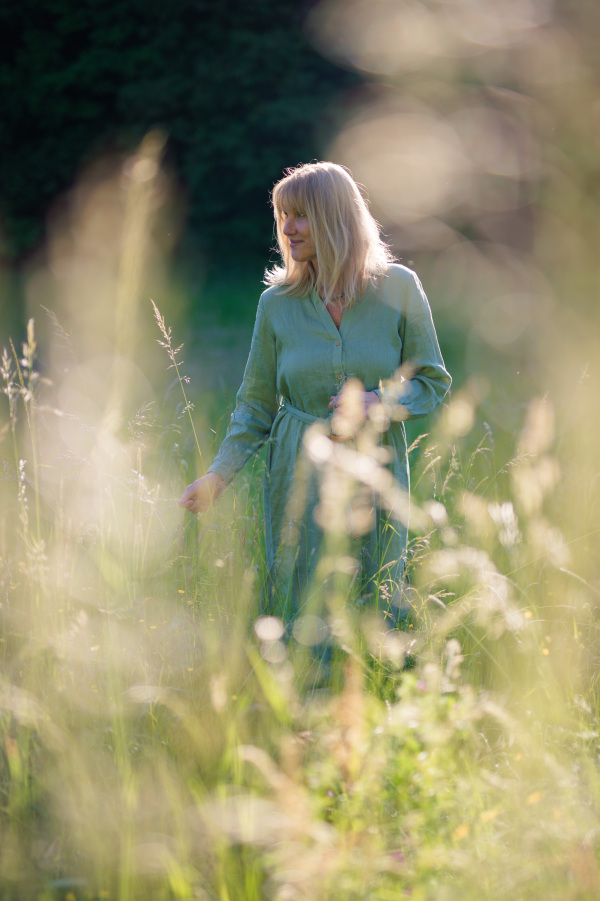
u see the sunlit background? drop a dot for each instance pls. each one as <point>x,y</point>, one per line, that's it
<point>158,738</point>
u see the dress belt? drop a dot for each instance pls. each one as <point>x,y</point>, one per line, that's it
<point>308,418</point>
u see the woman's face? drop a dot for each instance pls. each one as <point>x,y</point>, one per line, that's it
<point>297,230</point>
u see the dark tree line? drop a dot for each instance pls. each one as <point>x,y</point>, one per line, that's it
<point>234,83</point>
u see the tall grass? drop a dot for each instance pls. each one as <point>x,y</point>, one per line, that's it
<point>161,740</point>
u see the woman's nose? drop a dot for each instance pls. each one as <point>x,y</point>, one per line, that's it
<point>288,227</point>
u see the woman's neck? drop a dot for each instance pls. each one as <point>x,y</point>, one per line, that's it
<point>337,297</point>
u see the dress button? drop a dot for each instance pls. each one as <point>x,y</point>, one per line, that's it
<point>337,343</point>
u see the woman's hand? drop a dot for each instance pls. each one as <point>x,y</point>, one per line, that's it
<point>202,494</point>
<point>369,398</point>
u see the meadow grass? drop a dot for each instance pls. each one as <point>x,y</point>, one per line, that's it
<point>160,738</point>
<point>161,741</point>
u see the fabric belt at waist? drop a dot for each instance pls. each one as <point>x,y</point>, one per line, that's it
<point>308,418</point>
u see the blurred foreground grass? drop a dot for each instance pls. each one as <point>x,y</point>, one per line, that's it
<point>160,741</point>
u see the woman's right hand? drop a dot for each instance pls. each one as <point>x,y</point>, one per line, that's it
<point>202,494</point>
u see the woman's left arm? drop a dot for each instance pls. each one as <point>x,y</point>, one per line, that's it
<point>424,383</point>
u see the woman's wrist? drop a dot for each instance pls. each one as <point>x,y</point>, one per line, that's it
<point>217,483</point>
<point>216,479</point>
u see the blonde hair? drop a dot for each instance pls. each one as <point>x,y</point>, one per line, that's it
<point>350,250</point>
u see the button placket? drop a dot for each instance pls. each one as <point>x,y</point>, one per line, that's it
<point>337,363</point>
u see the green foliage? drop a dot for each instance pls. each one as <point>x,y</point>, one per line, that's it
<point>235,85</point>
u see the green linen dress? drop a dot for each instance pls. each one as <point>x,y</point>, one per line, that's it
<point>298,360</point>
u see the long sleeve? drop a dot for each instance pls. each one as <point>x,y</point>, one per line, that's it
<point>256,403</point>
<point>425,381</point>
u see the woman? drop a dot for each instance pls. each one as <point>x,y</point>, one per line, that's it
<point>337,308</point>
